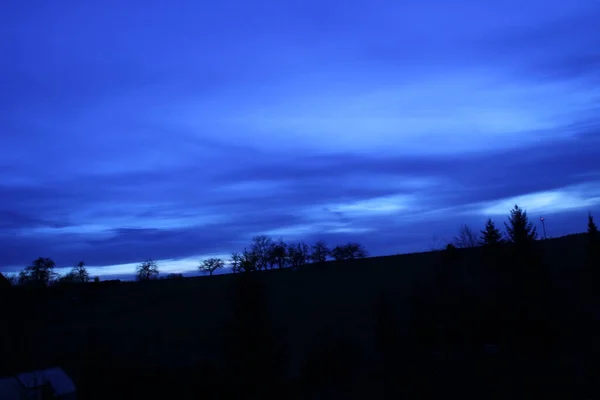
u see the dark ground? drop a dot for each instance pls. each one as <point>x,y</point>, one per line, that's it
<point>428,325</point>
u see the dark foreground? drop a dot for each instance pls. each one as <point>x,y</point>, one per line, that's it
<point>473,323</point>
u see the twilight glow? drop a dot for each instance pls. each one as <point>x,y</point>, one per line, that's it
<point>177,131</point>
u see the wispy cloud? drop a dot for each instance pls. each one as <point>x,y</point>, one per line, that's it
<point>583,197</point>
<point>174,132</point>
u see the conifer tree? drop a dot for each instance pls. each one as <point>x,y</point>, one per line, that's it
<point>592,228</point>
<point>594,240</point>
<point>519,229</point>
<point>491,236</point>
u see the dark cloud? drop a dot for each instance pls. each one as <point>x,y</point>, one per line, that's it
<point>11,220</point>
<point>562,49</point>
<point>118,144</point>
<point>127,245</point>
<point>457,182</point>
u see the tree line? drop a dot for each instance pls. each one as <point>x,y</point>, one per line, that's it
<point>518,230</point>
<point>265,253</point>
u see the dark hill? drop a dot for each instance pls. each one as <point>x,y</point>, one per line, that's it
<point>175,325</point>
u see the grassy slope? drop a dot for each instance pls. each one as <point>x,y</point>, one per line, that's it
<point>175,322</point>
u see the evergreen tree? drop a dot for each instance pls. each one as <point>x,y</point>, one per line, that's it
<point>594,240</point>
<point>592,228</point>
<point>491,236</point>
<point>519,229</point>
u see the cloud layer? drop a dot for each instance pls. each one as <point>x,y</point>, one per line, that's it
<point>177,132</point>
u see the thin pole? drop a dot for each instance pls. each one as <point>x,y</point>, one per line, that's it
<point>543,227</point>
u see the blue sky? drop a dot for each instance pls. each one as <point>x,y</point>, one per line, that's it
<point>176,131</point>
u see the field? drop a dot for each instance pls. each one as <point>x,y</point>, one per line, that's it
<point>177,324</point>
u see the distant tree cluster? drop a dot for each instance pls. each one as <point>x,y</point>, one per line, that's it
<point>42,272</point>
<point>519,231</point>
<point>264,253</point>
<point>78,274</point>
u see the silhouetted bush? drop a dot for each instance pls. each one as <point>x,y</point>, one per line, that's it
<point>174,276</point>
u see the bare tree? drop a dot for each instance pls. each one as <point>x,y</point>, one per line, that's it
<point>236,261</point>
<point>298,254</point>
<point>249,261</point>
<point>320,252</point>
<point>80,272</point>
<point>466,239</point>
<point>40,272</point>
<point>211,265</point>
<point>278,254</point>
<point>148,270</point>
<point>437,243</point>
<point>348,251</point>
<point>261,247</point>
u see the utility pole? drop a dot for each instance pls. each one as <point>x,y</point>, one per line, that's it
<point>543,227</point>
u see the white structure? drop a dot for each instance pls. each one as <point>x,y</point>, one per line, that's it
<point>43,384</point>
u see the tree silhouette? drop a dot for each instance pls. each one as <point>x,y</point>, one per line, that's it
<point>69,278</point>
<point>348,251</point>
<point>298,254</point>
<point>236,261</point>
<point>490,235</point>
<point>147,270</point>
<point>211,265</point>
<point>248,261</point>
<point>261,247</point>
<point>40,272</point>
<point>279,254</point>
<point>593,243</point>
<point>338,253</point>
<point>80,272</point>
<point>466,238</point>
<point>519,229</point>
<point>527,306</point>
<point>592,229</point>
<point>320,252</point>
